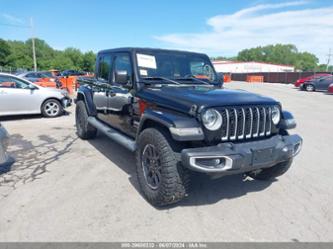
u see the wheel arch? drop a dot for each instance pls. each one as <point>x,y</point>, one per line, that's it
<point>169,122</point>
<point>86,96</point>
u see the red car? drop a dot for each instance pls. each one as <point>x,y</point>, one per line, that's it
<point>300,82</point>
<point>330,88</point>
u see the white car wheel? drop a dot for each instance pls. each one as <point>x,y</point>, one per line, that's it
<point>52,108</point>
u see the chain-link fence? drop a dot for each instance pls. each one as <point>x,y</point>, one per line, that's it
<point>13,70</point>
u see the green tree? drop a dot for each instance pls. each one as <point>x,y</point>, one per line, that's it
<point>61,62</point>
<point>323,68</point>
<point>44,53</point>
<point>88,61</point>
<point>21,55</point>
<point>18,54</point>
<point>4,52</point>
<point>280,54</point>
<point>306,61</point>
<point>75,56</point>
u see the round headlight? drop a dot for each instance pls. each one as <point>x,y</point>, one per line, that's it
<point>212,119</point>
<point>276,115</point>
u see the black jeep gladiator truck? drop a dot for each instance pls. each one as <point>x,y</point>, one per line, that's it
<point>170,108</point>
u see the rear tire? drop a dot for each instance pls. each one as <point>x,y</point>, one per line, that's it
<point>52,108</point>
<point>271,173</point>
<point>84,129</point>
<point>161,177</point>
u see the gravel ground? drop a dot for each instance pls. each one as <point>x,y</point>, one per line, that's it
<point>65,189</point>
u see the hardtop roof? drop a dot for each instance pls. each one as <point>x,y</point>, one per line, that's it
<point>142,49</point>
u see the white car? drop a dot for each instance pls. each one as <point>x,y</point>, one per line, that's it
<point>19,96</point>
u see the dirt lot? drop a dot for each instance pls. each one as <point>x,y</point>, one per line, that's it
<point>65,189</point>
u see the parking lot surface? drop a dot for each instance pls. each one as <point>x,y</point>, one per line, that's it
<point>64,189</point>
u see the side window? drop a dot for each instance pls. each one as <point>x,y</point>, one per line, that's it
<point>123,64</point>
<point>6,82</point>
<point>104,67</point>
<point>10,82</point>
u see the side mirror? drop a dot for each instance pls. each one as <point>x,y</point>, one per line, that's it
<point>121,77</point>
<point>220,80</point>
<point>32,87</point>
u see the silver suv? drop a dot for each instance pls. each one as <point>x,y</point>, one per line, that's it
<point>19,96</point>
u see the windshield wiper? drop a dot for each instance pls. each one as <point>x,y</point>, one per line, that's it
<point>161,78</point>
<point>195,79</point>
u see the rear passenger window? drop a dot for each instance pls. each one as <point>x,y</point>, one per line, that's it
<point>6,82</point>
<point>104,67</point>
<point>10,82</point>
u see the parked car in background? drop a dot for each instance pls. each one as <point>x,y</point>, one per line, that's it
<point>300,82</point>
<point>5,160</point>
<point>72,73</point>
<point>41,78</point>
<point>34,76</point>
<point>330,88</point>
<point>318,84</point>
<point>19,96</point>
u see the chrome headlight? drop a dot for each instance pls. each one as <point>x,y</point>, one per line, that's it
<point>276,115</point>
<point>212,119</point>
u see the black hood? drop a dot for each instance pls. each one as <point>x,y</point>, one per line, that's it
<point>181,98</point>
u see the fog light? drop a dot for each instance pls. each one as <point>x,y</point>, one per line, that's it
<point>212,162</point>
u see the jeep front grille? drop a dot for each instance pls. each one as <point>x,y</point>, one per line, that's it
<point>246,122</point>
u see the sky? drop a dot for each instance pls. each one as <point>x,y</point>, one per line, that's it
<point>215,27</point>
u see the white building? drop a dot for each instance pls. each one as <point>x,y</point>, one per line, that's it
<point>250,67</point>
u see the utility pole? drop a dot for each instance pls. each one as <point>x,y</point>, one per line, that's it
<point>33,44</point>
<point>329,59</point>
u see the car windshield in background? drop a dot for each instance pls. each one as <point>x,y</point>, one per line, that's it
<point>181,67</point>
<point>47,74</point>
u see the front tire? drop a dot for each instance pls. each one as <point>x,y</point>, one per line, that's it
<point>83,128</point>
<point>161,177</point>
<point>309,88</point>
<point>271,173</point>
<point>52,108</point>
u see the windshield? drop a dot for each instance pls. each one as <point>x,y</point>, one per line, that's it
<point>47,74</point>
<point>175,66</point>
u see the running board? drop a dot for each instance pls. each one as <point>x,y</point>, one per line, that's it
<point>113,134</point>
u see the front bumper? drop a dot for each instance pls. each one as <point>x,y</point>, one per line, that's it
<point>232,158</point>
<point>66,102</point>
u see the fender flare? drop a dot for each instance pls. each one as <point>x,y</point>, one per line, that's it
<point>86,94</point>
<point>287,121</point>
<point>181,127</point>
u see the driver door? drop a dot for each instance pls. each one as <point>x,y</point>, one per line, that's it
<point>101,93</point>
<point>119,99</point>
<point>16,97</point>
